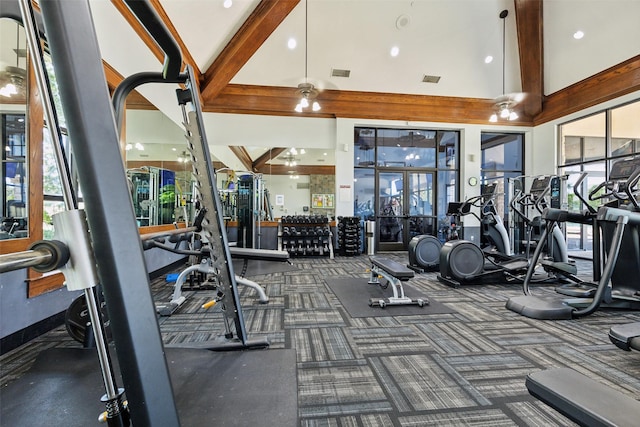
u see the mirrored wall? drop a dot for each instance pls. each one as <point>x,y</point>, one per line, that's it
<point>14,218</point>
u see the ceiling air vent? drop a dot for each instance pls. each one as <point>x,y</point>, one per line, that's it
<point>340,73</point>
<point>430,79</point>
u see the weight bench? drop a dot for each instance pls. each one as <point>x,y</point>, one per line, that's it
<point>394,273</point>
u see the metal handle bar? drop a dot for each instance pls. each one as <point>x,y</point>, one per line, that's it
<point>156,28</point>
<point>43,256</point>
<point>578,192</point>
<point>632,182</point>
<point>133,81</point>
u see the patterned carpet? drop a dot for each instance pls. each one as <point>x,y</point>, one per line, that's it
<point>462,368</point>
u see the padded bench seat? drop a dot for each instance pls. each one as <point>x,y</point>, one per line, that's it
<point>392,267</point>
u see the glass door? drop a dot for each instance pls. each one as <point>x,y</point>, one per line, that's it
<point>405,208</point>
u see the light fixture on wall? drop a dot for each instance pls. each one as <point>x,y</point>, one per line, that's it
<point>306,90</point>
<point>504,104</point>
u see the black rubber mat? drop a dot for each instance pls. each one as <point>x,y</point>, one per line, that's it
<point>354,294</point>
<point>210,388</point>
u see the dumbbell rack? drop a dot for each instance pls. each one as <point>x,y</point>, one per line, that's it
<point>349,233</point>
<point>305,235</point>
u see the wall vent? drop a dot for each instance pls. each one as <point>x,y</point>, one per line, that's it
<point>430,79</point>
<point>335,72</point>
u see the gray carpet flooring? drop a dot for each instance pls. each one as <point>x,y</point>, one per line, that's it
<point>463,367</point>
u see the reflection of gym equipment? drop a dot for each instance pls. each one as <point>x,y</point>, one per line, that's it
<point>615,230</point>
<point>394,274</point>
<point>246,201</point>
<point>153,194</point>
<point>424,253</point>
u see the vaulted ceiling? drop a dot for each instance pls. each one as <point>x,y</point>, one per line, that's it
<point>246,67</point>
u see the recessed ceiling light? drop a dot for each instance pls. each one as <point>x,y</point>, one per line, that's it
<point>488,59</point>
<point>395,51</point>
<point>292,43</point>
<point>578,35</point>
<point>227,4</point>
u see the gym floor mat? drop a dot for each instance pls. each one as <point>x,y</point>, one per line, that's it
<point>211,388</point>
<point>354,294</point>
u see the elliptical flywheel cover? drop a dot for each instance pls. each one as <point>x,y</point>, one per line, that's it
<point>465,260</point>
<point>426,251</point>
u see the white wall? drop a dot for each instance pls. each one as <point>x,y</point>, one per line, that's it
<point>294,198</point>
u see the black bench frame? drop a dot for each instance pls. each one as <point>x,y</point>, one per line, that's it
<point>395,273</point>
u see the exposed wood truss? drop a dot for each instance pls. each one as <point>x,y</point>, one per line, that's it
<point>220,96</point>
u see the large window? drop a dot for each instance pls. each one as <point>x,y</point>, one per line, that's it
<point>502,163</point>
<point>590,145</point>
<point>427,161</point>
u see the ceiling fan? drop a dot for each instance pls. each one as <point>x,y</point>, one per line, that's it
<point>13,79</point>
<point>504,106</point>
<point>307,92</point>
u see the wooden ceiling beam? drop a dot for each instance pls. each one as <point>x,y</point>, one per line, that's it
<point>529,24</point>
<point>243,155</point>
<point>297,170</point>
<point>266,17</point>
<point>271,154</point>
<point>611,83</point>
<point>243,99</point>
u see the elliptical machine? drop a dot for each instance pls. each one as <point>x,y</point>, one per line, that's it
<point>616,252</point>
<point>463,261</point>
<point>541,187</point>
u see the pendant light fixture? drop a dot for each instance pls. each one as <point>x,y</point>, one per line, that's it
<point>306,90</point>
<point>504,105</point>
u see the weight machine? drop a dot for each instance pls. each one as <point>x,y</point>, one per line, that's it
<point>101,245</point>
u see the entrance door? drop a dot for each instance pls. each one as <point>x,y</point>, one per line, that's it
<point>405,208</point>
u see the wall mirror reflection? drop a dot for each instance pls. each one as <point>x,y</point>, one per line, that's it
<point>13,94</point>
<point>158,169</point>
